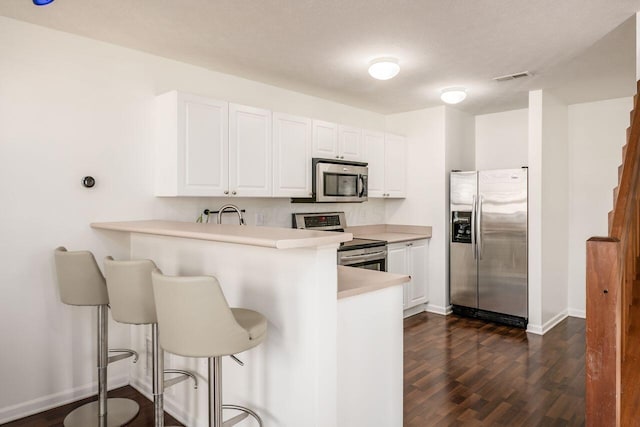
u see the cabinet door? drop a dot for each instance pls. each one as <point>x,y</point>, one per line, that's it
<point>250,151</point>
<point>325,139</point>
<point>395,179</point>
<point>349,143</point>
<point>203,144</point>
<point>397,262</point>
<point>373,148</point>
<point>291,156</point>
<point>418,258</point>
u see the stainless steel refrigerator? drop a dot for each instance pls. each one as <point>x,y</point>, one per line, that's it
<point>488,245</point>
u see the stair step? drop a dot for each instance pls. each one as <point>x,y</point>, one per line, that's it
<point>615,196</point>
<point>610,217</point>
<point>624,147</point>
<point>619,173</point>
<point>631,114</point>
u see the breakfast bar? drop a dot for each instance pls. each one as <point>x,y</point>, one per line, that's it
<point>332,330</point>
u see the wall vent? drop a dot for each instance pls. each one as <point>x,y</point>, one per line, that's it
<point>512,76</point>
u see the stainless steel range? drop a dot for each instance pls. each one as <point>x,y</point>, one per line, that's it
<point>362,253</point>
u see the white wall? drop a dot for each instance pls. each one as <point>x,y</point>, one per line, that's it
<point>439,139</point>
<point>426,190</point>
<point>501,140</point>
<point>597,132</point>
<point>548,156</point>
<point>71,107</point>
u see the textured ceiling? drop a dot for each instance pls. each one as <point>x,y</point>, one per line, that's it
<point>579,48</point>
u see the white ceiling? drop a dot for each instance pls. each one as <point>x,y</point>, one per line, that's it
<point>579,48</point>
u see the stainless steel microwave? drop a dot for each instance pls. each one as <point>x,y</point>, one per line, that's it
<point>337,181</point>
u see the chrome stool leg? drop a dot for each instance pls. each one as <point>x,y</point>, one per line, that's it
<point>215,398</point>
<point>104,412</point>
<point>159,384</point>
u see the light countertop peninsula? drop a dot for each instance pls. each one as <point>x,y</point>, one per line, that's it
<point>269,237</point>
<point>391,233</point>
<point>356,281</point>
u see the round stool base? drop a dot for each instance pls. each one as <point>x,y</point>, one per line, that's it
<point>119,412</point>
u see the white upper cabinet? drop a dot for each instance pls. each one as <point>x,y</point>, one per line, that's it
<point>291,155</point>
<point>395,165</point>
<point>332,141</point>
<point>373,143</point>
<point>211,148</point>
<point>349,143</point>
<point>387,158</point>
<point>325,139</point>
<point>192,143</point>
<point>250,151</point>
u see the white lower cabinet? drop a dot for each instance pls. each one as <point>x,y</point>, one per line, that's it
<point>411,258</point>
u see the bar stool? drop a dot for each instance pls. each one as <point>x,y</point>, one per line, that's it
<point>131,300</point>
<point>196,321</point>
<point>81,283</point>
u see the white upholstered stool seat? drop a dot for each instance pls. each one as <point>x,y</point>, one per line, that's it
<point>81,283</point>
<point>196,321</point>
<point>132,302</point>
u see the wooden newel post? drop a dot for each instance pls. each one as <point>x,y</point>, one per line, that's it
<point>604,331</point>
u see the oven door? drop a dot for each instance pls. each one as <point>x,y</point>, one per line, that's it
<point>340,182</point>
<point>371,261</point>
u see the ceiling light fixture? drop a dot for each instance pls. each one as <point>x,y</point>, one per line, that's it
<point>42,2</point>
<point>384,68</point>
<point>453,95</point>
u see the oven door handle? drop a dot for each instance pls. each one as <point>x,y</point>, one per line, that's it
<point>363,257</point>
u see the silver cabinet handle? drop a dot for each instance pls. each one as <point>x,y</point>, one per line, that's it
<point>473,228</point>
<point>233,192</point>
<point>226,191</point>
<point>337,157</point>
<point>479,216</point>
<point>342,157</point>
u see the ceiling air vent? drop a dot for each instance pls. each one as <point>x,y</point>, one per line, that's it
<point>512,76</point>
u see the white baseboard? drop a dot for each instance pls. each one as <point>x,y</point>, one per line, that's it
<point>573,312</point>
<point>548,325</point>
<point>413,311</point>
<point>24,409</point>
<point>170,406</point>
<point>438,309</point>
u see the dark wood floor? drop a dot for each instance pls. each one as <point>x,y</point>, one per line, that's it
<point>55,417</point>
<point>461,372</point>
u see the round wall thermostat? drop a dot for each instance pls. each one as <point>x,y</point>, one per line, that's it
<point>88,181</point>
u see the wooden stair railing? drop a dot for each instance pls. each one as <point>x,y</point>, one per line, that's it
<point>613,319</point>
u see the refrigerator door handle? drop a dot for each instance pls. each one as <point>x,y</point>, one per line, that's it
<point>479,227</point>
<point>473,228</point>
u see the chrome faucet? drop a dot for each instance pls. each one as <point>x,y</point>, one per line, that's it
<point>229,208</point>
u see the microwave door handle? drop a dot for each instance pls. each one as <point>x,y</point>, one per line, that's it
<point>360,188</point>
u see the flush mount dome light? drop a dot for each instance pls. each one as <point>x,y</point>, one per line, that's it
<point>453,95</point>
<point>384,68</point>
<point>42,2</point>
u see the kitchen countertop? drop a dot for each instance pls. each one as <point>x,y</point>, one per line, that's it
<point>355,281</point>
<point>391,233</point>
<point>270,237</point>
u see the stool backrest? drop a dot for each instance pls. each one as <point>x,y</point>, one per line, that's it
<point>194,317</point>
<point>79,278</point>
<point>130,290</point>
